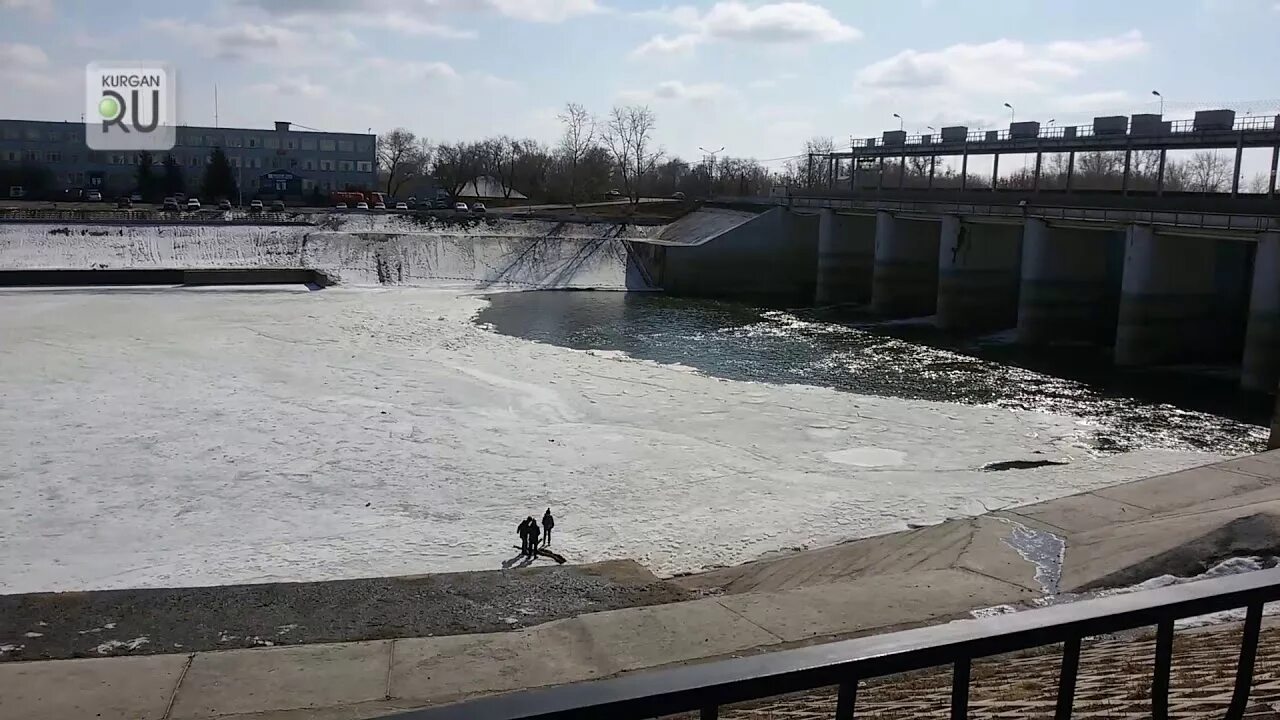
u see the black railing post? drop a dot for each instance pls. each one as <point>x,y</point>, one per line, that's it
<point>1067,679</point>
<point>1164,664</point>
<point>960,689</point>
<point>1244,670</point>
<point>846,699</point>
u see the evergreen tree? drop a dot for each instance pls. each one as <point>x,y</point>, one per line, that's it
<point>147,180</point>
<point>173,181</point>
<point>219,180</point>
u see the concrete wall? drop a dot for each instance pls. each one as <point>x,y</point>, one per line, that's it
<point>771,259</point>
<point>1166,302</point>
<point>979,271</point>
<point>904,280</point>
<point>1068,285</point>
<point>1261,368</point>
<point>846,254</point>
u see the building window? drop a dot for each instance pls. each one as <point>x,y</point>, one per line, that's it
<point>213,140</point>
<point>33,134</point>
<point>308,144</point>
<point>11,156</point>
<point>293,162</point>
<point>363,146</point>
<point>117,160</point>
<point>364,166</point>
<point>273,143</point>
<point>253,142</point>
<point>195,161</point>
<point>307,184</point>
<point>346,165</point>
<point>308,164</point>
<point>326,165</point>
<point>291,144</point>
<point>55,136</point>
<point>11,133</point>
<point>326,146</point>
<point>346,146</point>
<point>235,141</point>
<point>53,156</point>
<point>95,157</point>
<point>255,163</point>
<point>234,160</point>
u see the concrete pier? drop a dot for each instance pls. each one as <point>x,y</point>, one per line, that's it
<point>846,254</point>
<point>1166,302</point>
<point>904,281</point>
<point>1261,368</point>
<point>979,269</point>
<point>1065,293</point>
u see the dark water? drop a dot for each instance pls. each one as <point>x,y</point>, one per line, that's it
<point>1175,408</point>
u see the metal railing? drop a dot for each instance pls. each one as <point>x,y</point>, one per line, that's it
<point>183,217</point>
<point>706,688</point>
<point>1165,128</point>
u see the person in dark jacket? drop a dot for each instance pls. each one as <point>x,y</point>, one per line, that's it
<point>548,522</point>
<point>533,536</point>
<point>523,531</point>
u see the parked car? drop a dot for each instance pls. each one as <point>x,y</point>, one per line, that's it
<point>171,203</point>
<point>677,196</point>
<point>380,206</point>
<point>461,207</point>
<point>136,197</point>
<point>124,202</point>
<point>17,191</point>
<point>442,204</point>
<point>478,207</point>
<point>93,196</point>
<point>614,194</point>
<point>181,198</point>
<point>402,206</point>
<point>362,206</point>
<point>193,203</point>
<point>340,206</point>
<point>277,206</point>
<point>255,206</point>
<point>224,205</point>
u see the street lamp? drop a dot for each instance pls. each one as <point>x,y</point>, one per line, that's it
<point>711,166</point>
<point>1157,94</point>
<point>1011,114</point>
<point>899,120</point>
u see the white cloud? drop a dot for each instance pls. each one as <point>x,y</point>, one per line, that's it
<point>545,11</point>
<point>410,69</point>
<point>1103,100</point>
<point>676,91</point>
<point>995,68</point>
<point>735,21</point>
<point>301,86</point>
<point>18,56</point>
<point>260,42</point>
<point>42,9</point>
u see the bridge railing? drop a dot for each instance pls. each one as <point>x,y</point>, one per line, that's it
<point>1246,123</point>
<point>706,688</point>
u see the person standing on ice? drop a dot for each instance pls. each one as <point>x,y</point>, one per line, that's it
<point>523,531</point>
<point>533,536</point>
<point>548,522</point>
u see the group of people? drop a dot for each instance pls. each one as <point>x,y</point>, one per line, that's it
<point>530,536</point>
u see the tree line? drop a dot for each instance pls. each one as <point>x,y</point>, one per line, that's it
<point>594,158</point>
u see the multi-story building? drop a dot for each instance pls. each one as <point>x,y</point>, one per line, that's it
<point>267,161</point>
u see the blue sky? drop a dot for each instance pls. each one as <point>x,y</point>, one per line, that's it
<point>754,76</point>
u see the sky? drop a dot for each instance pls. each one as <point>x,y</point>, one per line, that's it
<point>752,76</point>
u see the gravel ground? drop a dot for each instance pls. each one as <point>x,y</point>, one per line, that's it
<point>48,626</point>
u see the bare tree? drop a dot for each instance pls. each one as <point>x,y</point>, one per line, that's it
<point>629,137</point>
<point>577,141</point>
<point>459,164</point>
<point>402,156</point>
<point>1260,183</point>
<point>1207,171</point>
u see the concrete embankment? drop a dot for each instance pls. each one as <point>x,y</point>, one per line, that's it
<point>351,250</point>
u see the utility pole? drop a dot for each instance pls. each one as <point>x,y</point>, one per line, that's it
<point>711,166</point>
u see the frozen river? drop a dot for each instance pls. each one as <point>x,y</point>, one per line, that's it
<point>165,438</point>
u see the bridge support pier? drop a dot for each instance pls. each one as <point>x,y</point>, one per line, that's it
<point>846,254</point>
<point>1066,289</point>
<point>1167,299</point>
<point>904,280</point>
<point>1261,368</point>
<point>978,275</point>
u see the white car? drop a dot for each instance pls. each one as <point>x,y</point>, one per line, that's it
<point>461,207</point>
<point>402,206</point>
<point>340,206</point>
<point>362,206</point>
<point>478,208</point>
<point>93,196</point>
<point>380,206</point>
<point>193,203</point>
